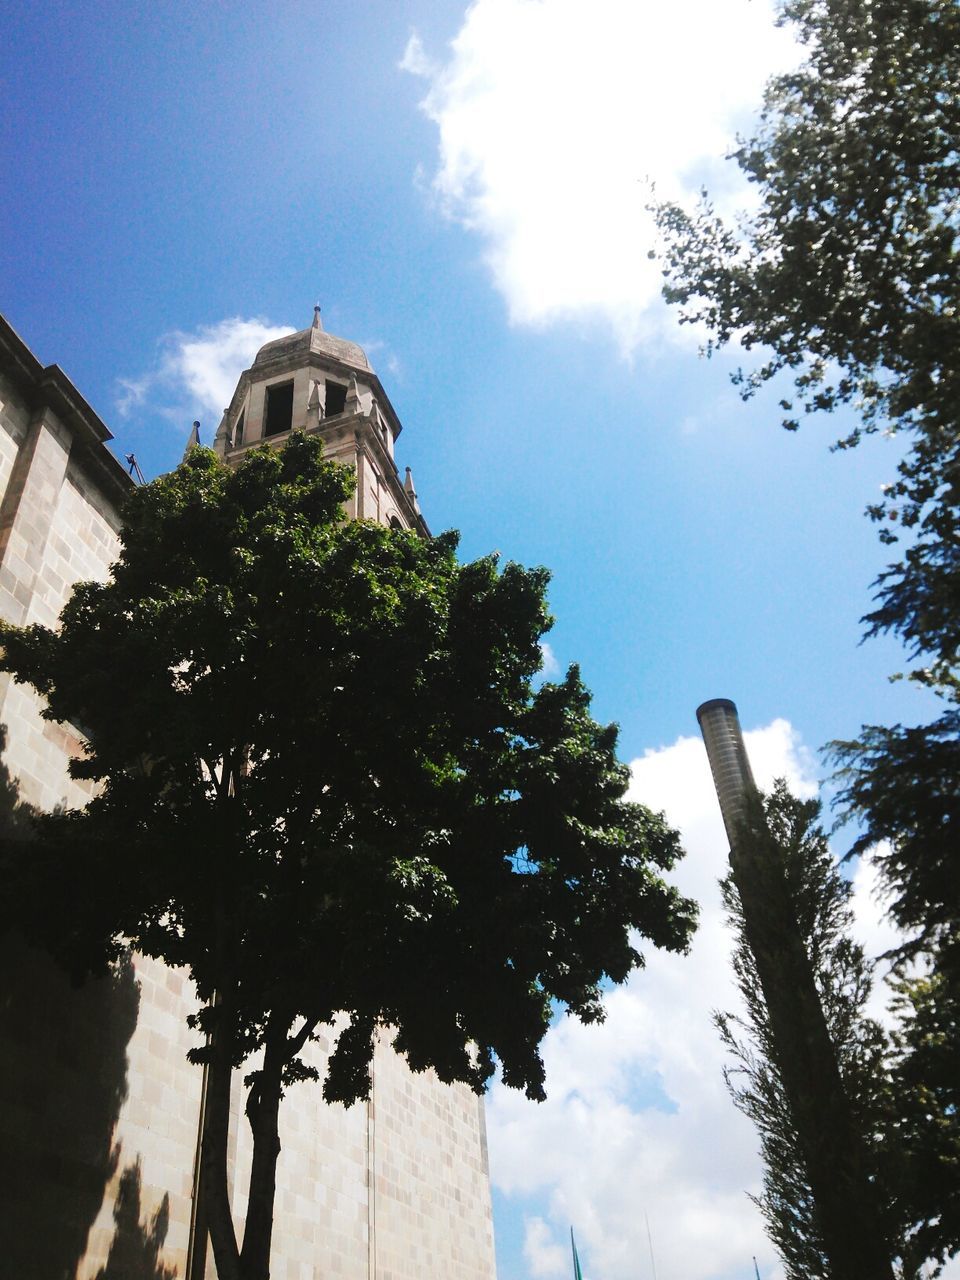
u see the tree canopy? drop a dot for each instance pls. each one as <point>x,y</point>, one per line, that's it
<point>329,783</point>
<point>846,275</point>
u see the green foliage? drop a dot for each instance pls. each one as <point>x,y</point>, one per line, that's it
<point>905,782</point>
<point>847,273</point>
<point>819,897</point>
<point>328,783</point>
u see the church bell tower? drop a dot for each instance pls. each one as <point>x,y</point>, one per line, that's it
<point>311,381</point>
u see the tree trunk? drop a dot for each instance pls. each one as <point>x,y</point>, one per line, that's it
<point>262,1110</point>
<point>213,1159</point>
<point>830,1140</point>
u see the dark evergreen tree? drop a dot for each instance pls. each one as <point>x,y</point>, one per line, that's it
<point>819,899</point>
<point>923,1149</point>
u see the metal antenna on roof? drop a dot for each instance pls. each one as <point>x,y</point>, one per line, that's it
<point>134,468</point>
<point>653,1262</point>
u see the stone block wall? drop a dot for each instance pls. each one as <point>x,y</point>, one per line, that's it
<point>429,1169</point>
<point>99,1126</point>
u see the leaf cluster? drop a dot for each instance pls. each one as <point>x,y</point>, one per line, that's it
<point>925,1105</point>
<point>328,782</point>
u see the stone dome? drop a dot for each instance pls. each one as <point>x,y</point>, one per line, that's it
<point>313,341</point>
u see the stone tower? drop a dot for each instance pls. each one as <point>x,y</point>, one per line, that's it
<point>324,385</point>
<point>102,1115</point>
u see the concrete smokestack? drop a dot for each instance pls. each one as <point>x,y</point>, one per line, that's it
<point>720,726</point>
<point>831,1144</point>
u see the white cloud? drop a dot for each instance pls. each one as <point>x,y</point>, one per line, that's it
<point>552,116</point>
<point>544,1256</point>
<point>638,1120</point>
<point>415,59</point>
<point>196,373</point>
<point>549,665</point>
<point>875,932</point>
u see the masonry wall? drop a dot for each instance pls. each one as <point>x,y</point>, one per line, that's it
<point>396,1188</point>
<point>429,1169</point>
<point>101,1107</point>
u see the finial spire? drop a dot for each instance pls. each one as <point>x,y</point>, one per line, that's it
<point>317,322</point>
<point>314,407</point>
<point>193,441</point>
<point>353,403</point>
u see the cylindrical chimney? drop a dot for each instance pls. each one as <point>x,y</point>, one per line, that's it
<point>729,764</point>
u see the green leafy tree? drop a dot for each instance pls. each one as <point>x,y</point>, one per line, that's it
<point>819,901</point>
<point>846,280</point>
<point>846,276</point>
<point>328,784</point>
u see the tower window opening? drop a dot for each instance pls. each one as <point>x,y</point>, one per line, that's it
<point>336,398</point>
<point>238,430</point>
<point>279,415</point>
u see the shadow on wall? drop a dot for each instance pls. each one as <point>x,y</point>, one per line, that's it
<point>63,1080</point>
<point>135,1248</point>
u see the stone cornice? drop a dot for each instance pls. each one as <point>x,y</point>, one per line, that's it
<point>48,386</point>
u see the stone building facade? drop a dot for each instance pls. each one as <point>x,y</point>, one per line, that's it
<point>101,1112</point>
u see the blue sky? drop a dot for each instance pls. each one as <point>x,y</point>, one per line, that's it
<point>463,189</point>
